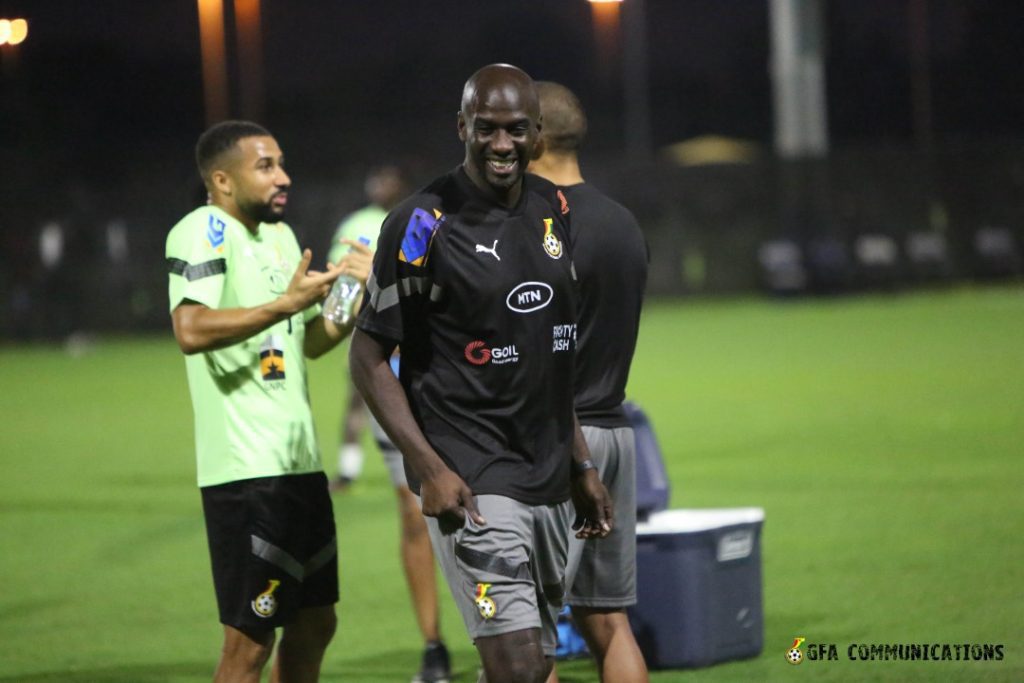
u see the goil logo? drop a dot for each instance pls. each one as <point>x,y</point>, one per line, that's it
<point>527,297</point>
<point>476,353</point>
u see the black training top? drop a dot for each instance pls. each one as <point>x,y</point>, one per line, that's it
<point>611,259</point>
<point>482,301</point>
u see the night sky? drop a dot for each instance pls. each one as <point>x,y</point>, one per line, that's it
<point>103,66</point>
<point>101,106</point>
<point>108,95</point>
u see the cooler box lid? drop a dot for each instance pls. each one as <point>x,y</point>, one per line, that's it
<point>691,520</point>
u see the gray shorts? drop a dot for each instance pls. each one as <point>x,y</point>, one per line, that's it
<point>392,456</point>
<point>508,575</point>
<point>602,572</point>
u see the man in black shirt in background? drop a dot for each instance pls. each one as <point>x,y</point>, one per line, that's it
<point>473,279</point>
<point>610,255</point>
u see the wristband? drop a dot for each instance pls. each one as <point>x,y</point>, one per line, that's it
<point>579,468</point>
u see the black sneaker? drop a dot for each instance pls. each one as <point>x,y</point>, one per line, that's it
<point>436,666</point>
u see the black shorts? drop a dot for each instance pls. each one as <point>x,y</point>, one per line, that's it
<point>273,548</point>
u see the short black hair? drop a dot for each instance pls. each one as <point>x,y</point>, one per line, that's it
<point>220,138</point>
<point>565,123</point>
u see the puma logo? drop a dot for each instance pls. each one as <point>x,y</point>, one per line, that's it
<point>492,250</point>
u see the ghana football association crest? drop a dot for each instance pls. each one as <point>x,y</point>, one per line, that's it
<point>552,245</point>
<point>265,604</point>
<point>794,655</point>
<point>484,604</point>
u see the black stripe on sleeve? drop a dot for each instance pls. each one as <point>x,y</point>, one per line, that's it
<point>176,266</point>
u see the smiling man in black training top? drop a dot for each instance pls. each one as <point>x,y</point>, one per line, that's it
<point>473,278</point>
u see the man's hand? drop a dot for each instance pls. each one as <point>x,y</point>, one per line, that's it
<point>593,505</point>
<point>308,287</point>
<point>447,497</point>
<point>357,262</point>
<point>199,328</point>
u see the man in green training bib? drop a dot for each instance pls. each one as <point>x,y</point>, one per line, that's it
<point>245,309</point>
<point>384,188</point>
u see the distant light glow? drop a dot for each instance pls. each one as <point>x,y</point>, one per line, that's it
<point>19,31</point>
<point>607,29</point>
<point>13,31</point>
<point>250,58</point>
<point>599,2</point>
<point>213,53</point>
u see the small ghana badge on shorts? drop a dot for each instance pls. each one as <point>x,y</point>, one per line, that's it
<point>265,604</point>
<point>552,245</point>
<point>484,604</point>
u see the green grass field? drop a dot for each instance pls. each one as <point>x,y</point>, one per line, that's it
<point>882,435</point>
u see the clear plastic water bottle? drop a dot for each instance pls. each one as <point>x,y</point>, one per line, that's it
<point>338,305</point>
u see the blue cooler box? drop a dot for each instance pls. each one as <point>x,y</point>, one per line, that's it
<point>698,587</point>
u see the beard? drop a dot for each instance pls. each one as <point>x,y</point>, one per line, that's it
<point>502,182</point>
<point>263,212</point>
<point>499,182</point>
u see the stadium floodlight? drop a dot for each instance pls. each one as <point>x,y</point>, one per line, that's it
<point>19,31</point>
<point>213,54</point>
<point>13,31</point>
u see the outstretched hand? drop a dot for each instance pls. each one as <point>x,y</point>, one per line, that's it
<point>447,497</point>
<point>308,287</point>
<point>593,506</point>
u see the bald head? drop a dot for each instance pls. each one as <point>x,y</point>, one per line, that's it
<point>499,122</point>
<point>565,123</point>
<point>500,83</point>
